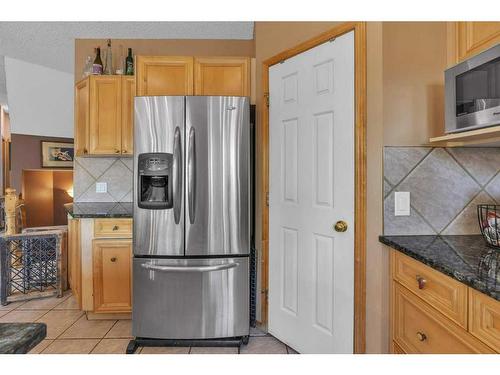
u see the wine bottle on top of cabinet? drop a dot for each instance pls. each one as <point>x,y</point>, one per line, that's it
<point>97,65</point>
<point>129,63</point>
<point>108,67</point>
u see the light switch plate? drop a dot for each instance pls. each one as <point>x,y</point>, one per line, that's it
<point>101,187</point>
<point>402,203</point>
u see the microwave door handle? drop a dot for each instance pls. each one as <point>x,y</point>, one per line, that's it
<point>218,267</point>
<point>177,175</point>
<point>191,170</point>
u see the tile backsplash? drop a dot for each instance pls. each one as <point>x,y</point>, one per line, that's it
<point>116,172</point>
<point>445,185</point>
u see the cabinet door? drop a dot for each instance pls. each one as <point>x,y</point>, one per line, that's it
<point>222,76</point>
<point>484,318</point>
<point>105,115</point>
<point>474,37</point>
<point>74,259</point>
<point>164,75</point>
<point>112,275</point>
<point>418,328</point>
<point>128,94</point>
<point>82,117</point>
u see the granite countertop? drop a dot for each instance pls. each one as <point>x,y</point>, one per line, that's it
<point>20,338</point>
<point>465,258</point>
<point>100,209</point>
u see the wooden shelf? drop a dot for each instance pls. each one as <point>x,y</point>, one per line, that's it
<point>485,137</point>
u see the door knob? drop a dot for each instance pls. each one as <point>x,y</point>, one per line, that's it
<point>113,259</point>
<point>340,226</point>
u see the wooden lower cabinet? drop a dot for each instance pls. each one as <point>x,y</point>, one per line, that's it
<point>418,328</point>
<point>111,228</point>
<point>112,266</point>
<point>74,260</point>
<point>440,291</point>
<point>396,349</point>
<point>432,313</point>
<point>484,318</point>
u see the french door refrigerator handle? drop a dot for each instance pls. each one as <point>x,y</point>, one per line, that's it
<point>218,267</point>
<point>177,175</point>
<point>191,169</point>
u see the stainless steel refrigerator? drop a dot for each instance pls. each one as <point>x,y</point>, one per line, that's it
<point>191,217</point>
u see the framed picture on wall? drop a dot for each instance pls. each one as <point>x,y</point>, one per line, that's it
<point>57,154</point>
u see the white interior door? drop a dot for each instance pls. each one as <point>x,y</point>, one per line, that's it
<point>311,182</point>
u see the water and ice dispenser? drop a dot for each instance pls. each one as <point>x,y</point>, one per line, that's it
<point>155,181</point>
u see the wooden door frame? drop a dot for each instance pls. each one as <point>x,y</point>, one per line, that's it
<point>359,29</point>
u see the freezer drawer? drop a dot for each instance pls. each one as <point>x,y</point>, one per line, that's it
<point>190,298</point>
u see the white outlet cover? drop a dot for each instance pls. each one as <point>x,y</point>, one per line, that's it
<point>402,203</point>
<point>101,187</point>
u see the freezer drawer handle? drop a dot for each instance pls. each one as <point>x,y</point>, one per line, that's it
<point>177,172</point>
<point>191,166</point>
<point>218,267</point>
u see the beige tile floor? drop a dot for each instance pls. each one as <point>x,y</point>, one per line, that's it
<point>69,332</point>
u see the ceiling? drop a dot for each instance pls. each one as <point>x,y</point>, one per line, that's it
<point>51,44</point>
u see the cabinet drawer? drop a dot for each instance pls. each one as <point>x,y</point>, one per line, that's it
<point>418,328</point>
<point>484,318</point>
<point>113,228</point>
<point>440,291</point>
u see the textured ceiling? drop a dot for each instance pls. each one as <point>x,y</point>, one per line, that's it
<point>51,44</point>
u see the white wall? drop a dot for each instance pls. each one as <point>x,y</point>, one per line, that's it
<point>40,99</point>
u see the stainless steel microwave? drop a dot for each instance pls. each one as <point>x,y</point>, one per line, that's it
<point>472,92</point>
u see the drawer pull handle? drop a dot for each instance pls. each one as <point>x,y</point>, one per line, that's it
<point>113,259</point>
<point>421,282</point>
<point>421,336</point>
<point>115,227</point>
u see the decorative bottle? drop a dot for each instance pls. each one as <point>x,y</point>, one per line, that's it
<point>108,68</point>
<point>129,63</point>
<point>97,65</point>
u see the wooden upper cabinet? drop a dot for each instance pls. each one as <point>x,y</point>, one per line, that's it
<point>128,93</point>
<point>112,268</point>
<point>475,37</point>
<point>164,75</point>
<point>82,117</point>
<point>105,115</point>
<point>222,76</point>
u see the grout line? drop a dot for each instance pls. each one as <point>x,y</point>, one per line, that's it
<point>110,328</point>
<point>385,180</point>
<point>488,183</point>
<point>95,346</point>
<point>414,167</point>
<point>423,218</point>
<point>461,211</point>
<point>463,167</point>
